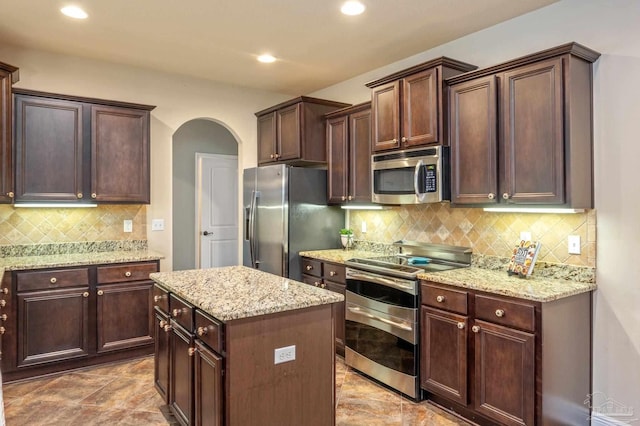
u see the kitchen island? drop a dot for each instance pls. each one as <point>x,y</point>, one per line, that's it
<point>238,346</point>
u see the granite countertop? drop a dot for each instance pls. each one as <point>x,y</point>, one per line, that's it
<point>75,259</point>
<point>235,292</point>
<point>541,289</point>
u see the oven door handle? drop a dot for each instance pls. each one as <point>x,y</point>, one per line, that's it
<point>409,288</point>
<point>359,311</point>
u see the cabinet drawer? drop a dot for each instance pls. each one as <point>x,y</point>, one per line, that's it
<point>335,273</point>
<point>48,279</point>
<point>444,298</point>
<point>161,299</point>
<point>124,273</point>
<point>181,312</point>
<point>506,312</point>
<point>311,267</point>
<point>209,331</point>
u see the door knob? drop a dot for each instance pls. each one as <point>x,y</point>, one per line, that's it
<point>205,233</point>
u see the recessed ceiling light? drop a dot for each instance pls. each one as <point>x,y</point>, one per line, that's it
<point>266,58</point>
<point>352,8</point>
<point>74,12</point>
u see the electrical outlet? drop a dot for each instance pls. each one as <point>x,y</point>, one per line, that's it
<point>285,354</point>
<point>364,227</point>
<point>157,225</point>
<point>128,226</point>
<point>525,235</point>
<point>574,244</point>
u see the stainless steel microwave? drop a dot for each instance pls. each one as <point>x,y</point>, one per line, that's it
<point>412,176</point>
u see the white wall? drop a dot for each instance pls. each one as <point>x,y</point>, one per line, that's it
<point>178,99</point>
<point>611,27</point>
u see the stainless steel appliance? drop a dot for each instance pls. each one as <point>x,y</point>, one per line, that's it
<point>382,311</point>
<point>285,211</point>
<point>412,176</point>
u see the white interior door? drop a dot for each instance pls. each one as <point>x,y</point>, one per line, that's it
<point>217,210</point>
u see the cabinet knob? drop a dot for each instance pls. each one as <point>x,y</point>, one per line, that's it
<point>323,285</point>
<point>10,194</point>
<point>127,274</point>
<point>278,156</point>
<point>191,351</point>
<point>343,198</point>
<point>272,156</point>
<point>157,298</point>
<point>505,196</point>
<point>333,273</point>
<point>404,139</point>
<point>3,317</point>
<point>309,267</point>
<point>2,330</point>
<point>394,140</point>
<point>316,283</point>
<point>499,313</point>
<point>79,195</point>
<point>349,198</point>
<point>202,331</point>
<point>94,195</point>
<point>491,196</point>
<point>162,323</point>
<point>440,299</point>
<point>85,294</point>
<point>176,312</point>
<point>5,290</point>
<point>53,280</point>
<point>100,292</point>
<point>460,325</point>
<point>3,303</point>
<point>167,328</point>
<point>475,328</point>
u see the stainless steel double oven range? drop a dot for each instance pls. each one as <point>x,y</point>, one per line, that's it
<point>382,311</point>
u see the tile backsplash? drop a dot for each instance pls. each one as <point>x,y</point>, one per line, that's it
<point>60,225</point>
<point>487,233</point>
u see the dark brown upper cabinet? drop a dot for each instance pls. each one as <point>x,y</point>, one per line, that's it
<point>71,149</point>
<point>349,155</point>
<point>407,107</point>
<point>293,132</point>
<point>521,132</point>
<point>8,76</point>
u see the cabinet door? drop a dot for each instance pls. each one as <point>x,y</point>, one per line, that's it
<point>288,132</point>
<point>119,154</point>
<point>49,149</point>
<point>53,325</point>
<point>473,140</point>
<point>124,316</point>
<point>385,104</point>
<point>6,153</point>
<point>267,138</point>
<point>504,374</point>
<point>533,134</point>
<point>360,156</point>
<point>338,313</point>
<point>443,359</point>
<point>161,355</point>
<point>338,159</point>
<point>420,108</point>
<point>181,374</point>
<point>209,406</point>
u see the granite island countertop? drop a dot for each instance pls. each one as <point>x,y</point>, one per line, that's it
<point>75,259</point>
<point>235,292</point>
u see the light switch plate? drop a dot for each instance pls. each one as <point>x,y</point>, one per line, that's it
<point>157,225</point>
<point>128,226</point>
<point>574,244</point>
<point>364,227</point>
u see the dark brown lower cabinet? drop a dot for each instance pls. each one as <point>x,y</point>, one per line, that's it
<point>53,325</point>
<point>208,387</point>
<point>181,374</point>
<point>339,314</point>
<point>162,351</point>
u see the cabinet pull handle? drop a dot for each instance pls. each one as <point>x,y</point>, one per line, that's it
<point>176,312</point>
<point>100,292</point>
<point>127,274</point>
<point>440,299</point>
<point>460,325</point>
<point>202,331</point>
<point>309,267</point>
<point>191,351</point>
<point>475,328</point>
<point>3,317</point>
<point>167,328</point>
<point>85,294</point>
<point>505,196</point>
<point>333,273</point>
<point>53,280</point>
<point>491,196</point>
<point>499,313</point>
<point>10,194</point>
<point>79,195</point>
<point>94,195</point>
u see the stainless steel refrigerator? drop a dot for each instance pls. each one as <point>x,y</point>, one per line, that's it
<point>285,212</point>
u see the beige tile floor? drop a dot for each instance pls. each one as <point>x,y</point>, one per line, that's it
<point>123,394</point>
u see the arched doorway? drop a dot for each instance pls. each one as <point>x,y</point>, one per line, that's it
<point>198,136</point>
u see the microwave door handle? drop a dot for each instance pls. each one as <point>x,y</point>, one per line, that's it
<point>416,174</point>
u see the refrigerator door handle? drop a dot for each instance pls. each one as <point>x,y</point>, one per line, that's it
<point>253,248</point>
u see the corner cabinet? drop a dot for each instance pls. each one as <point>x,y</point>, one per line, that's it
<point>349,154</point>
<point>293,132</point>
<point>521,132</point>
<point>500,360</point>
<point>71,149</point>
<point>8,76</point>
<point>408,106</point>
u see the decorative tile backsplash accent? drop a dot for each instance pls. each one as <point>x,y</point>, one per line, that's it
<point>487,233</point>
<point>53,225</point>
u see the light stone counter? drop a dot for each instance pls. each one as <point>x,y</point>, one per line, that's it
<point>235,292</point>
<point>76,259</point>
<point>339,255</point>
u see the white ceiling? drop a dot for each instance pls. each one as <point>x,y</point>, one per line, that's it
<point>219,40</point>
